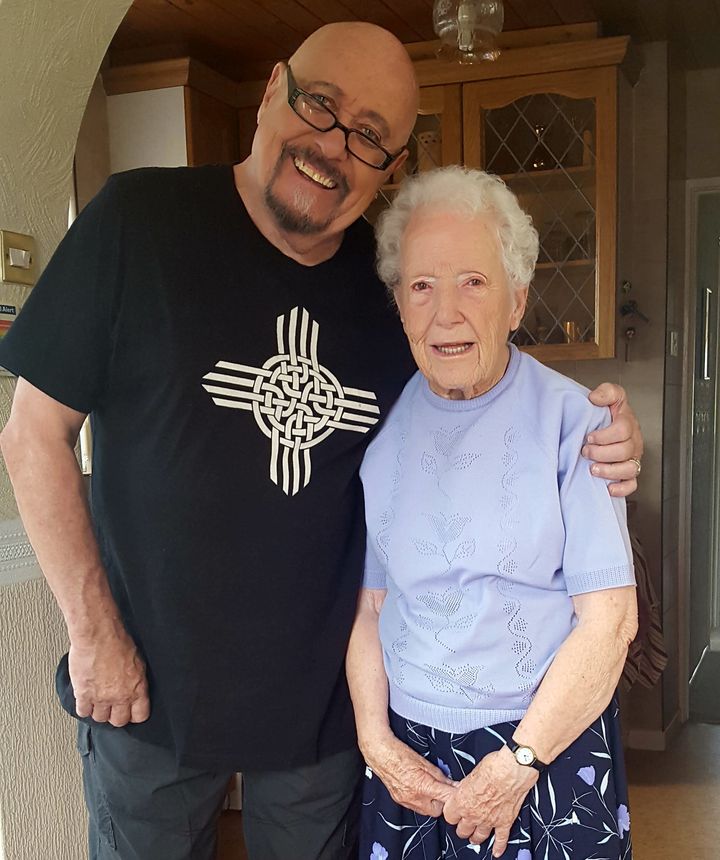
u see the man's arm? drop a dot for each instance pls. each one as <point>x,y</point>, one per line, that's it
<point>38,442</point>
<point>618,448</point>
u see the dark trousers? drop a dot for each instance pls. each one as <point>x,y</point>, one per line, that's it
<point>143,806</point>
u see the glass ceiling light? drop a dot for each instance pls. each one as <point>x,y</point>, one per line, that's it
<point>468,29</point>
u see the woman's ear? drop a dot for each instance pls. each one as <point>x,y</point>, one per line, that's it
<point>519,297</point>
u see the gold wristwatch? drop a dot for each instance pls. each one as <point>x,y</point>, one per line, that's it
<point>525,755</point>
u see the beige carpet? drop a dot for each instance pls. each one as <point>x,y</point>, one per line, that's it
<point>675,798</point>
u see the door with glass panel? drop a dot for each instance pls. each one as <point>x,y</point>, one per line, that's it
<point>552,138</point>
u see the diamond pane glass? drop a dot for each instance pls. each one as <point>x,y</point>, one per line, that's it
<point>543,145</point>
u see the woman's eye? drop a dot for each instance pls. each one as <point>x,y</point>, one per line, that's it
<point>419,286</point>
<point>475,282</point>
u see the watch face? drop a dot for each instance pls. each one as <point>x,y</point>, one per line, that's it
<point>524,755</point>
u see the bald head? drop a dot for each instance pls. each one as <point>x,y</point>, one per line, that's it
<point>309,178</point>
<point>374,58</point>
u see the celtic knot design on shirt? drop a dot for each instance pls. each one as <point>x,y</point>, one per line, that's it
<point>296,401</point>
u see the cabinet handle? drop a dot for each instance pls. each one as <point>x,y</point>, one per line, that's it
<point>706,335</point>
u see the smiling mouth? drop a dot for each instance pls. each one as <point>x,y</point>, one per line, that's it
<point>452,349</point>
<point>310,173</point>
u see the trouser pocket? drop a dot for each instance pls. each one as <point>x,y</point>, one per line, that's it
<point>101,833</point>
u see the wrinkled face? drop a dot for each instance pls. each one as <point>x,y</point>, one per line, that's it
<point>312,185</point>
<point>455,302</point>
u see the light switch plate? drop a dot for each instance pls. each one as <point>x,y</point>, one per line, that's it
<point>19,249</point>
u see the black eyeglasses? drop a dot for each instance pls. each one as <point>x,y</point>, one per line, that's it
<point>310,109</point>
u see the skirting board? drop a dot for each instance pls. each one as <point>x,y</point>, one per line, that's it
<point>657,740</point>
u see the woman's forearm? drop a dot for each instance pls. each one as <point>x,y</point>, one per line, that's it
<point>366,672</point>
<point>582,678</point>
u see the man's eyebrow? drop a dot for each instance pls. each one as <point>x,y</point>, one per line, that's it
<point>336,92</point>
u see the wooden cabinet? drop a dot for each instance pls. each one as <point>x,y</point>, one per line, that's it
<point>436,139</point>
<point>212,134</point>
<point>552,136</point>
<point>177,112</point>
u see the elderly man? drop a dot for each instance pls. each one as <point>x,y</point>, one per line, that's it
<point>227,332</point>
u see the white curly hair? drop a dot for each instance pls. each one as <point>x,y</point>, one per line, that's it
<point>458,190</point>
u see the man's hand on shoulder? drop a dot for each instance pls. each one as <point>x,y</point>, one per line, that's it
<point>616,450</point>
<point>108,677</point>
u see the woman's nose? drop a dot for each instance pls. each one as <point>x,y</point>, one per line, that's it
<point>447,308</point>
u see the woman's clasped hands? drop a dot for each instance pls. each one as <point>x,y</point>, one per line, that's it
<point>488,799</point>
<point>413,781</point>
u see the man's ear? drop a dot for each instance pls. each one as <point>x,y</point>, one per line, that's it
<point>273,85</point>
<point>398,163</point>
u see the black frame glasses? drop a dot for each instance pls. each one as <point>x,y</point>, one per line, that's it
<point>298,97</point>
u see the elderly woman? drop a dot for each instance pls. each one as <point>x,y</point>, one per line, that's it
<point>493,626</point>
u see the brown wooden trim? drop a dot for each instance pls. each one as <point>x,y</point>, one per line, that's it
<point>581,84</point>
<point>212,83</point>
<point>147,76</point>
<point>606,209</point>
<point>473,130</point>
<point>520,38</point>
<point>250,93</point>
<point>189,137</point>
<point>182,72</point>
<point>520,62</point>
<point>563,351</point>
<point>452,125</point>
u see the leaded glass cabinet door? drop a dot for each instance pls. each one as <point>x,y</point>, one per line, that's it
<point>552,138</point>
<point>436,140</point>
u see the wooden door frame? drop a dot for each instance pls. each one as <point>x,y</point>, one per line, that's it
<point>694,190</point>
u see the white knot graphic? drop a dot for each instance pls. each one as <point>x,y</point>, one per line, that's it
<point>297,403</point>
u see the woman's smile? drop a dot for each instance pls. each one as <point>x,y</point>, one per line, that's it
<point>451,350</point>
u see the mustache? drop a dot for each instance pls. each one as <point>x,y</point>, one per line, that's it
<point>322,166</point>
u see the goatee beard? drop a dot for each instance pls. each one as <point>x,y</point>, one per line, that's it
<point>296,217</point>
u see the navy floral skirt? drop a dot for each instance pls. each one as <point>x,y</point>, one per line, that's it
<point>578,808</point>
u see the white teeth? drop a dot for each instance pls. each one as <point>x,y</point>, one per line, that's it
<point>308,171</point>
<point>453,350</point>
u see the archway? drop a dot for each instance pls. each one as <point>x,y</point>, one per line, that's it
<point>50,53</point>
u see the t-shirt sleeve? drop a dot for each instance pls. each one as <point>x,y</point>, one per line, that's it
<point>374,576</point>
<point>61,341</point>
<point>597,553</point>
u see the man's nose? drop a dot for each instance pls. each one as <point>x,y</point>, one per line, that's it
<point>332,143</point>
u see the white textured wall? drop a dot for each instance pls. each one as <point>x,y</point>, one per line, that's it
<point>50,52</point>
<point>147,129</point>
<point>42,807</point>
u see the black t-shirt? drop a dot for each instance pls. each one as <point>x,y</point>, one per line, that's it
<point>233,393</point>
